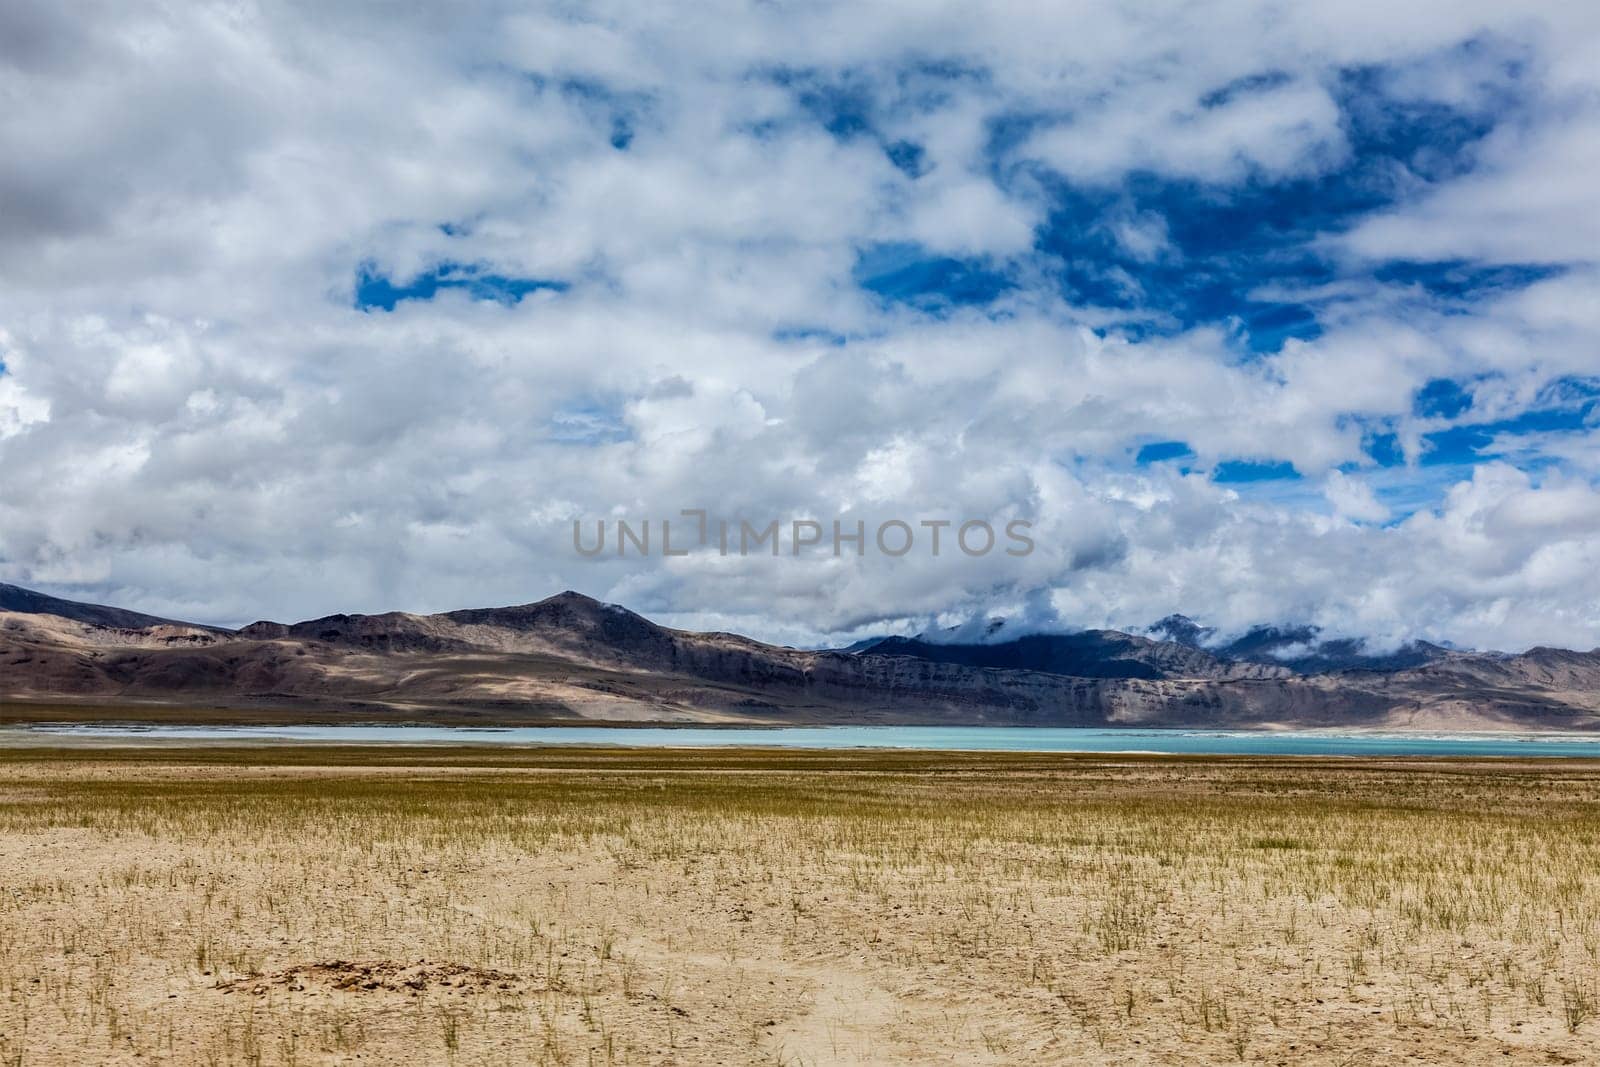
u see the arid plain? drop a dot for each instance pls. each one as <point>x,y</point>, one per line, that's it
<point>337,905</point>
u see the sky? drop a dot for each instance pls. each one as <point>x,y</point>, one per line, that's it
<point>1259,312</point>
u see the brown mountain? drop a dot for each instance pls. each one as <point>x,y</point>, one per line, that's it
<point>570,657</point>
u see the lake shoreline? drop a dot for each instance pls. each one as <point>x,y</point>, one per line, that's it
<point>1107,741</point>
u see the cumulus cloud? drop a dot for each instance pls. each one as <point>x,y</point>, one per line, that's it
<point>1273,132</point>
<point>1352,499</point>
<point>1530,201</point>
<point>1255,241</point>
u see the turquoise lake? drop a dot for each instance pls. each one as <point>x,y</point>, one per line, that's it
<point>934,738</point>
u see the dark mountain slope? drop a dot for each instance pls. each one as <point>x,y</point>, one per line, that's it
<point>27,602</point>
<point>1090,654</point>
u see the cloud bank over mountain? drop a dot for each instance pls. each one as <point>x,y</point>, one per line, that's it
<point>1262,313</point>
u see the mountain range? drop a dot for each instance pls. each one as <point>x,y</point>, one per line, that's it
<point>570,658</point>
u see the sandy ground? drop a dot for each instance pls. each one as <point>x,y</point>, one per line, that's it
<point>326,906</point>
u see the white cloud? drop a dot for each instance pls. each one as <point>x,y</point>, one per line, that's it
<point>1352,499</point>
<point>18,410</point>
<point>1531,201</point>
<point>1276,133</point>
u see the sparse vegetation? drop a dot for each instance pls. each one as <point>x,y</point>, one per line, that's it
<point>306,905</point>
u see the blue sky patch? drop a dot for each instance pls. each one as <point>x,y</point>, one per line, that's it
<point>1236,471</point>
<point>375,290</point>
<point>1383,448</point>
<point>801,334</point>
<point>842,109</point>
<point>1571,405</point>
<point>907,274</point>
<point>908,157</point>
<point>588,421</point>
<point>1219,248</point>
<point>1461,280</point>
<point>1441,399</point>
<point>1161,451</point>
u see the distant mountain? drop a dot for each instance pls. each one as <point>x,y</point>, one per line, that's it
<point>570,657</point>
<point>1181,630</point>
<point>1175,647</point>
<point>1302,649</point>
<point>864,644</point>
<point>27,602</point>
<point>1089,654</point>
